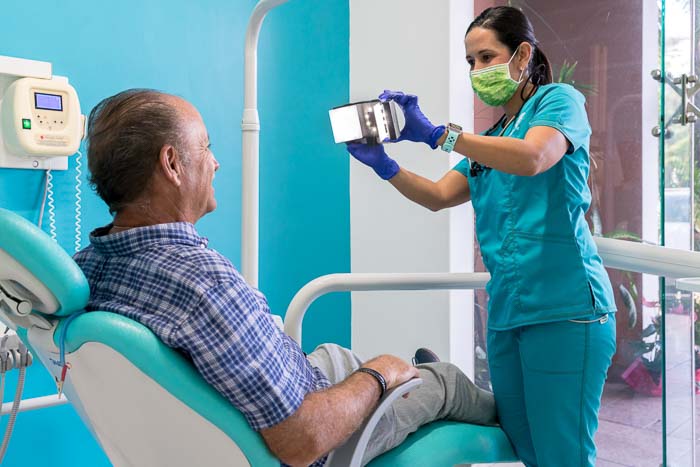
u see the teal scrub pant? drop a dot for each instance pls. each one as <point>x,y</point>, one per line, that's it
<point>548,381</point>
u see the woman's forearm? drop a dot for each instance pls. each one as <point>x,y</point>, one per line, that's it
<point>541,148</point>
<point>418,189</point>
<point>451,190</point>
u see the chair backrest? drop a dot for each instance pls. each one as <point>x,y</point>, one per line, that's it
<point>145,403</point>
<point>34,266</point>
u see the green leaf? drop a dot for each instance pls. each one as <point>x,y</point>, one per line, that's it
<point>620,234</point>
<point>566,75</point>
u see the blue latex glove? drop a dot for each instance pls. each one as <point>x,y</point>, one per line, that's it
<point>374,157</point>
<point>418,128</point>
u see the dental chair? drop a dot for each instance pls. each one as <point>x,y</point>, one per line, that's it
<point>144,402</point>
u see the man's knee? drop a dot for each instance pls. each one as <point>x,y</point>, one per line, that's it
<point>464,400</point>
<point>446,372</point>
<point>448,379</point>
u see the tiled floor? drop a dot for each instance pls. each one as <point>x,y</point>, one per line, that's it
<point>630,430</point>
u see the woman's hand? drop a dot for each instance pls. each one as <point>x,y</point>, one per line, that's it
<point>374,157</point>
<point>418,128</point>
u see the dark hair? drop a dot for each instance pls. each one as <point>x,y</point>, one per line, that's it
<point>512,28</point>
<point>125,135</point>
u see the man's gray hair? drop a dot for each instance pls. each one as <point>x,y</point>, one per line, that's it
<point>125,135</point>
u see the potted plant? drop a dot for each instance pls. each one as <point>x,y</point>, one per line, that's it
<point>644,374</point>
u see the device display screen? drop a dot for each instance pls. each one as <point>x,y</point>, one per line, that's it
<point>48,101</point>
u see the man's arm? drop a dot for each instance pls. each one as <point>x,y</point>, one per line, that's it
<point>238,349</point>
<point>327,418</point>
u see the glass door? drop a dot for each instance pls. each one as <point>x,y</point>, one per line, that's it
<point>635,61</point>
<point>676,133</point>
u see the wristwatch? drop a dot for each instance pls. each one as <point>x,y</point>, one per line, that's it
<point>453,132</point>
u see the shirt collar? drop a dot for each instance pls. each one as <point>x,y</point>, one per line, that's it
<point>139,238</point>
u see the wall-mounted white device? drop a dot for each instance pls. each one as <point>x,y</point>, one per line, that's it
<point>40,119</point>
<point>368,122</point>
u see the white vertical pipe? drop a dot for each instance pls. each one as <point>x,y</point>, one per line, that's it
<point>250,128</point>
<point>461,221</point>
<point>650,148</point>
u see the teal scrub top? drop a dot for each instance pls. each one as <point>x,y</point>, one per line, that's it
<point>534,238</point>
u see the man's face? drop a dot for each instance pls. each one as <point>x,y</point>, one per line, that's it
<point>200,164</point>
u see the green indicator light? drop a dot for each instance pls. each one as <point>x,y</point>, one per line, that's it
<point>26,124</point>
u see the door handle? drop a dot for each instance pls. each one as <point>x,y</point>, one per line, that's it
<point>686,86</point>
<point>689,113</point>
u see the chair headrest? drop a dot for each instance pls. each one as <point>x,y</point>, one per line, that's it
<point>35,268</point>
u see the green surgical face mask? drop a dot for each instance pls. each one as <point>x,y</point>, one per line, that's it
<point>493,84</point>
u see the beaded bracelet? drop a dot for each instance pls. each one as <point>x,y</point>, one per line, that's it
<point>378,376</point>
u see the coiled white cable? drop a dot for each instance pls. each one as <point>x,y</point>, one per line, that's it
<point>52,212</point>
<point>78,201</point>
<point>43,199</point>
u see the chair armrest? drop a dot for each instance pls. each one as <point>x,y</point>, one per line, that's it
<point>350,454</point>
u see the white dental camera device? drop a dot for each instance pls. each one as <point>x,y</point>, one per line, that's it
<point>368,122</point>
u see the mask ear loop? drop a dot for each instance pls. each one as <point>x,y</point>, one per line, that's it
<point>489,68</point>
<point>520,78</point>
<point>535,86</point>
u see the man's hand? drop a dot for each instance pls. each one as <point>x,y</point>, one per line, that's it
<point>394,370</point>
<point>327,418</point>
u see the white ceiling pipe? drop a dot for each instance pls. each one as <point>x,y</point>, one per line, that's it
<point>648,259</point>
<point>370,281</point>
<point>250,128</point>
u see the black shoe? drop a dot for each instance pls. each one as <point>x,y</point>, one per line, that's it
<point>424,355</point>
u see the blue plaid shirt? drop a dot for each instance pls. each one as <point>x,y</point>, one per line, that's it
<point>192,297</point>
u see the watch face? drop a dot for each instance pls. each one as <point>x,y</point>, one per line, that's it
<point>454,127</point>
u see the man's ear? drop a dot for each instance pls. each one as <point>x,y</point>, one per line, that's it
<point>171,165</point>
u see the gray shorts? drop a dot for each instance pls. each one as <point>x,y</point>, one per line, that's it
<point>446,393</point>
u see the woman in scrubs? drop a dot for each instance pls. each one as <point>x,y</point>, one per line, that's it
<point>551,325</point>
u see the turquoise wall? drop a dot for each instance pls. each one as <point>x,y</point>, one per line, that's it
<point>304,176</point>
<point>195,49</point>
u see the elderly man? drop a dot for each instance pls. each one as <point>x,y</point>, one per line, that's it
<point>150,160</point>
